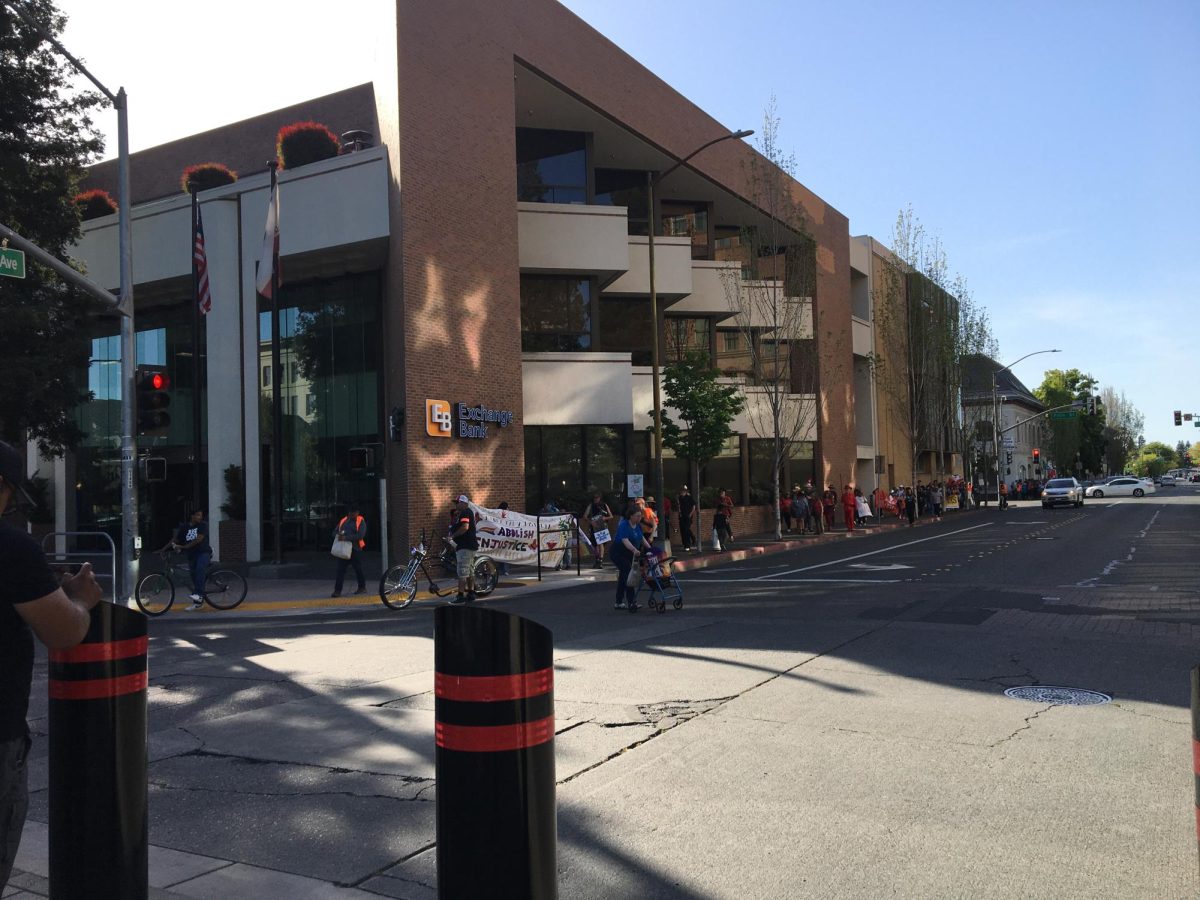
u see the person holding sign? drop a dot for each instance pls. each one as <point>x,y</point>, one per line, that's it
<point>597,515</point>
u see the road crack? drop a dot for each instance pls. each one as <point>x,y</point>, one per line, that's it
<point>1026,727</point>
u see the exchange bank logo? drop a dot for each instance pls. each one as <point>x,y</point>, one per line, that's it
<point>438,419</point>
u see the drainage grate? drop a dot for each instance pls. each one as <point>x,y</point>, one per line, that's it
<point>1062,696</point>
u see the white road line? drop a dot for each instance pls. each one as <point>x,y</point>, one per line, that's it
<point>806,580</point>
<point>838,562</point>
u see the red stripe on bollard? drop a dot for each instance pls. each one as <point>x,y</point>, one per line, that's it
<point>101,652</point>
<point>1196,758</point>
<point>494,738</point>
<point>98,688</point>
<point>490,688</point>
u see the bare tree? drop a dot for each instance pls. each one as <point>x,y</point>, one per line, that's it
<point>927,323</point>
<point>771,302</point>
<point>1123,427</point>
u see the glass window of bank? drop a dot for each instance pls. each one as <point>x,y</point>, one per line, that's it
<point>331,347</point>
<point>165,340</point>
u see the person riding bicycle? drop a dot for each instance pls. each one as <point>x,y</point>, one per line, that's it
<point>192,536</point>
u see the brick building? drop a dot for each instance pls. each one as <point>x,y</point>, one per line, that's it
<point>479,262</point>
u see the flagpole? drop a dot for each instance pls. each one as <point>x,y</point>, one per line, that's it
<point>276,395</point>
<point>196,449</point>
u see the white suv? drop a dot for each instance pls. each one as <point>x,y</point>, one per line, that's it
<point>1062,491</point>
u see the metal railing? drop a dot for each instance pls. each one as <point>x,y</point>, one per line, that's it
<point>66,556</point>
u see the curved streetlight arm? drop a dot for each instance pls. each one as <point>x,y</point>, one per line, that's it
<point>736,135</point>
<point>996,430</point>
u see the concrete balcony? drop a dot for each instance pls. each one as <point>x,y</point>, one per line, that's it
<point>566,237</point>
<point>756,310</point>
<point>863,337</point>
<point>672,269</point>
<point>711,285</point>
<point>576,388</point>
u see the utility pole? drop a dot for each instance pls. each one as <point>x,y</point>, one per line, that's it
<point>123,585</point>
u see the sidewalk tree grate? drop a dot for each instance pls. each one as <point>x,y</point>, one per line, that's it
<point>1061,696</point>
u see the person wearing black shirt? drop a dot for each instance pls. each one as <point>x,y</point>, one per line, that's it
<point>462,535</point>
<point>192,536</point>
<point>32,601</point>
<point>687,509</point>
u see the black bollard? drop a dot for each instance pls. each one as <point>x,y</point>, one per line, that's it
<point>99,834</point>
<point>1196,749</point>
<point>496,815</point>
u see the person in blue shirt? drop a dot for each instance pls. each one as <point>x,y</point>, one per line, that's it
<point>627,546</point>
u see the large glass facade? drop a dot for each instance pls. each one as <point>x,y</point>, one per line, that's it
<point>165,340</point>
<point>552,166</point>
<point>331,351</point>
<point>687,335</point>
<point>564,464</point>
<point>556,313</point>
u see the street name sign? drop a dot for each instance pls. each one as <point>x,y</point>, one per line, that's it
<point>12,263</point>
<point>1009,443</point>
<point>1064,414</point>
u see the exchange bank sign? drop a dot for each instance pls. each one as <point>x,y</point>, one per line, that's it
<point>446,420</point>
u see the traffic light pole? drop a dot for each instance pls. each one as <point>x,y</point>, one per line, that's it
<point>123,587</point>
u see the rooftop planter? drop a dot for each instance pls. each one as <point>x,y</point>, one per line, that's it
<point>95,203</point>
<point>203,176</point>
<point>302,143</point>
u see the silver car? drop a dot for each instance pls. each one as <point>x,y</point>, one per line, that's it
<point>1062,492</point>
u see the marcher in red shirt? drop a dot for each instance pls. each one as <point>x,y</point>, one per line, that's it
<point>848,508</point>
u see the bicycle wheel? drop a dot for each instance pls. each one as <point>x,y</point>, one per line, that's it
<point>486,576</point>
<point>224,589</point>
<point>395,590</point>
<point>155,593</point>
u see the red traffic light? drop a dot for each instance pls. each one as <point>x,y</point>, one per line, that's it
<point>159,381</point>
<point>1037,454</point>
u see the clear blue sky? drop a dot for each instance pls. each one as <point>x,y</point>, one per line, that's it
<point>1053,147</point>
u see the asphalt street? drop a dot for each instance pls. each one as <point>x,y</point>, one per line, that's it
<point>827,722</point>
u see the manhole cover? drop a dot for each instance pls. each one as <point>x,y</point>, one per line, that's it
<point>1063,696</point>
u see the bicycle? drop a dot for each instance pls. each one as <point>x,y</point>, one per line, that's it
<point>223,588</point>
<point>398,586</point>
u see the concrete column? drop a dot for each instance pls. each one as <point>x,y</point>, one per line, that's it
<point>225,362</point>
<point>253,215</point>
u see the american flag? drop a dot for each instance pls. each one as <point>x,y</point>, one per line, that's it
<point>200,261</point>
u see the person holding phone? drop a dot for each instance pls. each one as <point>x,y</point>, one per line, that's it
<point>33,601</point>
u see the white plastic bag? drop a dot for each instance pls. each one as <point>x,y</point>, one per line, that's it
<point>716,540</point>
<point>342,549</point>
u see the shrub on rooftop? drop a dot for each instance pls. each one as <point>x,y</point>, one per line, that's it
<point>203,176</point>
<point>95,203</point>
<point>302,143</point>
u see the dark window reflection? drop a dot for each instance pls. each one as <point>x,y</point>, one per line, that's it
<point>625,187</point>
<point>687,335</point>
<point>564,464</point>
<point>556,313</point>
<point>551,166</point>
<point>330,392</point>
<point>625,327</point>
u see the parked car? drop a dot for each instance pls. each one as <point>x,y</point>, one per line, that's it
<point>1167,481</point>
<point>1122,486</point>
<point>1062,492</point>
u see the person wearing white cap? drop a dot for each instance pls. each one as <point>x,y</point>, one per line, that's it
<point>462,534</point>
<point>33,599</point>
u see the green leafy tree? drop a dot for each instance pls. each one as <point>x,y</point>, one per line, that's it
<point>1077,445</point>
<point>704,409</point>
<point>46,138</point>
<point>1154,458</point>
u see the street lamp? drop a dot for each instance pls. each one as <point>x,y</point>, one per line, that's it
<point>651,181</point>
<point>995,414</point>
